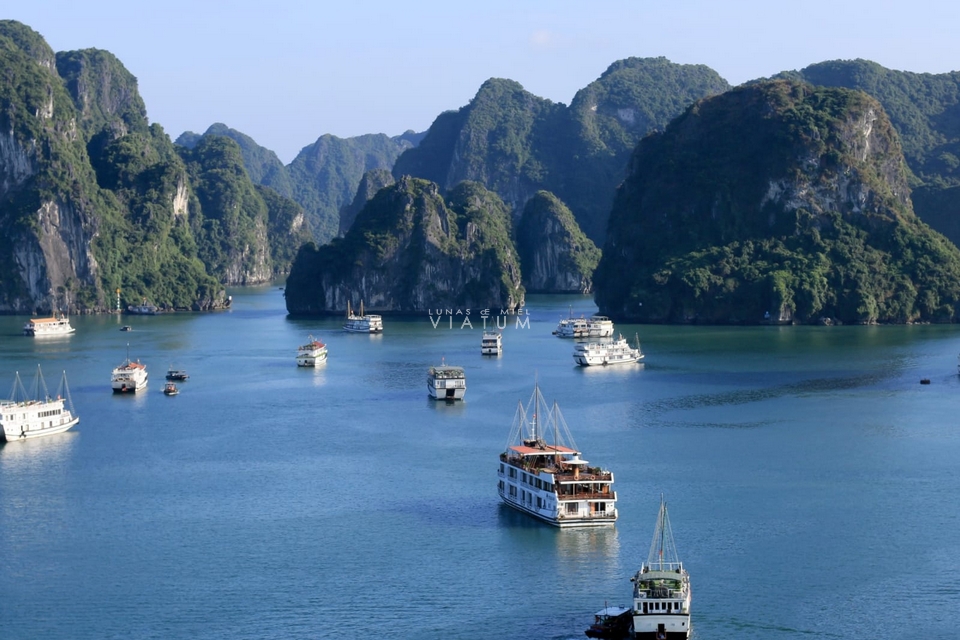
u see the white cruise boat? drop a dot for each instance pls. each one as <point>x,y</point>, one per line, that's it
<point>606,352</point>
<point>599,327</point>
<point>446,382</point>
<point>24,417</point>
<point>361,323</point>
<point>129,377</point>
<point>661,589</point>
<point>541,472</point>
<point>491,344</point>
<point>58,325</point>
<point>572,328</point>
<point>311,354</point>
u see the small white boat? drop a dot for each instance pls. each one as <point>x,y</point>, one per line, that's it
<point>446,382</point>
<point>606,352</point>
<point>661,589</point>
<point>491,344</point>
<point>542,474</point>
<point>25,417</point>
<point>311,354</point>
<point>130,376</point>
<point>362,323</point>
<point>57,325</point>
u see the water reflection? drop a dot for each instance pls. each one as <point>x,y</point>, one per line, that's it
<point>38,455</point>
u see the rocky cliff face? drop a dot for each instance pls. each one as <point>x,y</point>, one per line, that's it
<point>93,198</point>
<point>555,255</point>
<point>371,182</point>
<point>774,202</point>
<point>46,203</point>
<point>410,251</point>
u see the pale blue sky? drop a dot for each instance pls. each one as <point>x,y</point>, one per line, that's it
<point>286,72</point>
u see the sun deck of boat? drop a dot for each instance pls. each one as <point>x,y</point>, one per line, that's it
<point>447,372</point>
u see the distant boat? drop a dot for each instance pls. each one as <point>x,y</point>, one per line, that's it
<point>143,309</point>
<point>491,344</point>
<point>360,323</point>
<point>446,382</point>
<point>177,374</point>
<point>23,416</point>
<point>126,327</point>
<point>170,389</point>
<point>575,328</point>
<point>129,377</point>
<point>548,479</point>
<point>311,354</point>
<point>661,589</point>
<point>611,623</point>
<point>57,325</point>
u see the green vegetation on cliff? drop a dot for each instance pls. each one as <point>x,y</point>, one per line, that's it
<point>555,255</point>
<point>777,200</point>
<point>516,144</point>
<point>925,109</point>
<point>93,198</point>
<point>409,250</point>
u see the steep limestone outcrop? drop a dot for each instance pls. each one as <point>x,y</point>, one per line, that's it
<point>411,250</point>
<point>555,255</point>
<point>777,201</point>
<point>371,182</point>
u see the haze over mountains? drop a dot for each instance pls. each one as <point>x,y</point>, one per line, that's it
<point>96,199</point>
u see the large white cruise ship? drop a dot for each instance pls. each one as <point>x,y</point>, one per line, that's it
<point>541,472</point>
<point>661,589</point>
<point>361,323</point>
<point>23,417</point>
<point>58,325</point>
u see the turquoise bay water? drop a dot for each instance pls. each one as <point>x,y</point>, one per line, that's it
<point>811,481</point>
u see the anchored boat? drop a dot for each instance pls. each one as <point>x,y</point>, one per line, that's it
<point>130,376</point>
<point>57,325</point>
<point>362,323</point>
<point>40,414</point>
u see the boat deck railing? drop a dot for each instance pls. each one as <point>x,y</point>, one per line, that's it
<point>560,473</point>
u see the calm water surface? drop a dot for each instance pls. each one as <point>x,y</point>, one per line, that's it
<point>812,481</point>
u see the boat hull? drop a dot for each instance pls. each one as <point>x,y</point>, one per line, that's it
<point>129,386</point>
<point>311,361</point>
<point>455,393</point>
<point>561,522</point>
<point>661,627</point>
<point>591,361</point>
<point>14,432</point>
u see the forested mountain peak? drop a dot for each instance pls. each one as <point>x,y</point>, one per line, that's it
<point>779,200</point>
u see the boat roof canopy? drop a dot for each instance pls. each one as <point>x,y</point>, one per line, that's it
<point>549,449</point>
